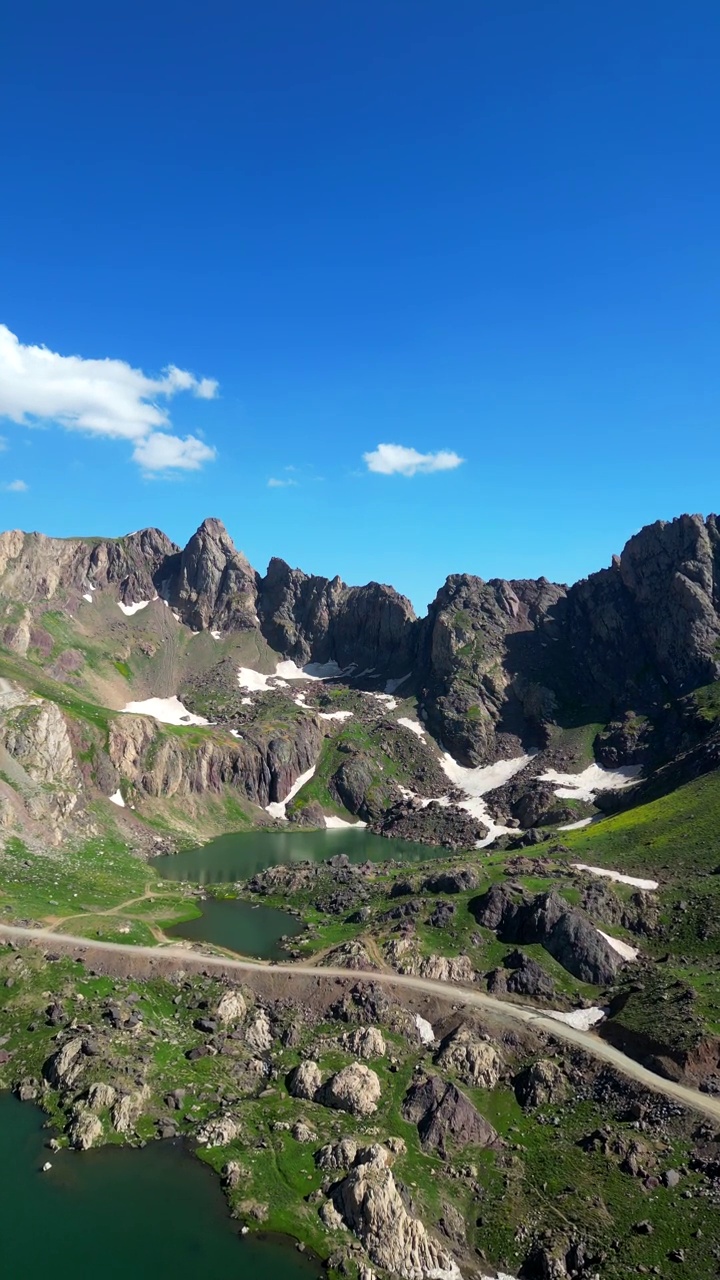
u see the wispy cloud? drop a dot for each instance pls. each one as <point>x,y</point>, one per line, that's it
<point>15,486</point>
<point>275,483</point>
<point>101,397</point>
<point>3,444</point>
<point>397,460</point>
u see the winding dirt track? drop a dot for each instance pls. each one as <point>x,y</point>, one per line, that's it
<point>504,1012</point>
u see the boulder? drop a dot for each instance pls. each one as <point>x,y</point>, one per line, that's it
<point>64,1067</point>
<point>541,1084</point>
<point>454,880</point>
<point>305,1081</point>
<point>100,1096</point>
<point>85,1129</point>
<point>355,1089</point>
<point>365,1042</point>
<point>475,1061</point>
<point>258,1033</point>
<point>218,1132</point>
<point>231,1007</point>
<point>336,1155</point>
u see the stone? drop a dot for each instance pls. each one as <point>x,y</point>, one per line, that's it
<point>355,1088</point>
<point>85,1130</point>
<point>305,1081</point>
<point>100,1096</point>
<point>218,1132</point>
<point>231,1007</point>
<point>365,1042</point>
<point>476,1062</point>
<point>258,1033</point>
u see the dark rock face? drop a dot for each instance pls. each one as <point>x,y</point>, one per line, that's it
<point>466,673</point>
<point>320,619</point>
<point>566,933</point>
<point>521,976</point>
<point>444,1116</point>
<point>454,880</point>
<point>211,584</point>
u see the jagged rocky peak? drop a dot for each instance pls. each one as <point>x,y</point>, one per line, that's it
<point>318,619</point>
<point>211,583</point>
<point>468,667</point>
<point>649,625</point>
<point>295,609</point>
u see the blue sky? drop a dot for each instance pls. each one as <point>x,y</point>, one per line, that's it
<point>488,228</point>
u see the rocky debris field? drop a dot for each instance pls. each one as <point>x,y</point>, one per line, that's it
<point>334,1121</point>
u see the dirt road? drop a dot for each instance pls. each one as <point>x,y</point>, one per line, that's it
<point>457,995</point>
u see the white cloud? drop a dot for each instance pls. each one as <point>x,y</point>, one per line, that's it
<point>101,397</point>
<point>396,459</point>
<point>15,486</point>
<point>159,452</point>
<point>274,483</point>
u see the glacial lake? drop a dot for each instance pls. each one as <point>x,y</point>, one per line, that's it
<point>152,1214</point>
<point>253,929</point>
<point>243,853</point>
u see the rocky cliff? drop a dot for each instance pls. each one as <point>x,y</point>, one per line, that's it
<point>494,665</point>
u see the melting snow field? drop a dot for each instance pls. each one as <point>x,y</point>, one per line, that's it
<point>616,875</point>
<point>581,1019</point>
<point>427,1035</point>
<point>575,826</point>
<point>412,725</point>
<point>334,715</point>
<point>276,808</point>
<point>289,670</point>
<point>585,785</point>
<point>338,824</point>
<point>167,710</point>
<point>130,609</point>
<point>622,948</point>
<point>477,782</point>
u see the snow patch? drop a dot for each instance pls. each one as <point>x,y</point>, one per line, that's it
<point>616,875</point>
<point>130,609</point>
<point>234,733</point>
<point>337,824</point>
<point>477,782</point>
<point>276,808</point>
<point>167,710</point>
<point>390,703</point>
<point>87,596</point>
<point>412,725</point>
<point>246,702</point>
<point>575,826</point>
<point>425,1031</point>
<point>622,948</point>
<point>334,715</point>
<point>585,785</point>
<point>117,799</point>
<point>581,1019</point>
<point>215,635</point>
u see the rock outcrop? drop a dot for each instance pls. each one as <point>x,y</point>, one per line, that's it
<point>444,1116</point>
<point>369,1203</point>
<point>476,1062</point>
<point>564,931</point>
<point>355,1088</point>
